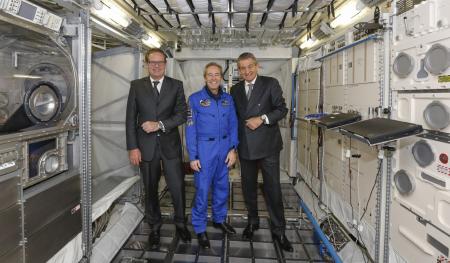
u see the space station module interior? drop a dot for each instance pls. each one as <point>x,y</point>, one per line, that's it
<point>365,161</point>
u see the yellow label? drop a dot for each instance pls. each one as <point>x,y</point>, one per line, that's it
<point>444,78</point>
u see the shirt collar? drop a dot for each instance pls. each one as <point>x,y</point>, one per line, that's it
<point>160,80</point>
<point>216,97</point>
<point>251,82</point>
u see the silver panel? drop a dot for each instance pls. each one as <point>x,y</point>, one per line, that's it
<point>10,225</point>
<point>52,237</point>
<point>44,207</point>
<point>9,190</point>
<point>37,81</point>
<point>41,152</point>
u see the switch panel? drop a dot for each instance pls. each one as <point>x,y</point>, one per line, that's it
<point>32,13</point>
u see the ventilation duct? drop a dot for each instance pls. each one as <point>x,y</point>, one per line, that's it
<point>323,31</point>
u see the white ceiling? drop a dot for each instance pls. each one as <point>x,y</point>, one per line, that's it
<point>270,22</point>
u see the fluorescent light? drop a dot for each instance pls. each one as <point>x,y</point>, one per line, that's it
<point>151,41</point>
<point>107,27</point>
<point>309,43</point>
<point>112,13</point>
<point>346,14</point>
<point>22,76</point>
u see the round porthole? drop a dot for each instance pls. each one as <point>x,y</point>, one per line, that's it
<point>437,59</point>
<point>423,154</point>
<point>51,163</point>
<point>404,182</point>
<point>403,65</point>
<point>42,102</point>
<point>437,115</point>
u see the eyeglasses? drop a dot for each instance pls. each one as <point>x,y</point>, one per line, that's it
<point>156,63</point>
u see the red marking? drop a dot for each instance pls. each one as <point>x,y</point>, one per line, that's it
<point>443,157</point>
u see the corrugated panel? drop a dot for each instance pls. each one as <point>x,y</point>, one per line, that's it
<point>289,21</point>
<point>221,20</point>
<point>255,19</point>
<point>200,5</point>
<point>241,5</point>
<point>172,19</point>
<point>188,20</point>
<point>220,5</point>
<point>180,6</point>
<point>157,3</point>
<point>239,20</point>
<point>161,23</point>
<point>281,5</point>
<point>274,20</point>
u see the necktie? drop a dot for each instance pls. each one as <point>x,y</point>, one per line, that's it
<point>249,91</point>
<point>155,85</point>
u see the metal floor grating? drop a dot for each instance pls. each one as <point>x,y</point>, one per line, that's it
<point>227,249</point>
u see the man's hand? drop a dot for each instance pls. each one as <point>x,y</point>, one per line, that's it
<point>231,158</point>
<point>150,126</point>
<point>253,123</point>
<point>195,165</point>
<point>135,156</point>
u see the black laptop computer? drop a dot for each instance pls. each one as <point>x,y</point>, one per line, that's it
<point>380,130</point>
<point>335,120</point>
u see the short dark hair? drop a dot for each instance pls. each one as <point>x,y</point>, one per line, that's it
<point>154,50</point>
<point>212,64</point>
<point>246,55</point>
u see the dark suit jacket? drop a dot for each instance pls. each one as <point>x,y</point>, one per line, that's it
<point>169,107</point>
<point>267,98</point>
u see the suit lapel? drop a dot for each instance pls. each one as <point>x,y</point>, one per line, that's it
<point>242,96</point>
<point>257,91</point>
<point>164,88</point>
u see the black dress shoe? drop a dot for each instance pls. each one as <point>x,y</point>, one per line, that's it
<point>248,231</point>
<point>153,239</point>
<point>184,234</point>
<point>203,240</point>
<point>284,242</point>
<point>226,228</point>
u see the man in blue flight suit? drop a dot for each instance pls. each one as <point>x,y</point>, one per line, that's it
<point>211,139</point>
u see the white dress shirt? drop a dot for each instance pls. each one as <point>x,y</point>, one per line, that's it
<point>264,116</point>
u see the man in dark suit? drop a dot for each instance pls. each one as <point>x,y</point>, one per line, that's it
<point>156,107</point>
<point>260,105</point>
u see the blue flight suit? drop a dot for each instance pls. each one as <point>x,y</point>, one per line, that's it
<point>211,132</point>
